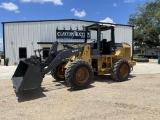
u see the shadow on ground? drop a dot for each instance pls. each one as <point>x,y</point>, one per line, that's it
<point>39,93</point>
<point>30,94</point>
<point>108,79</point>
<point>75,90</point>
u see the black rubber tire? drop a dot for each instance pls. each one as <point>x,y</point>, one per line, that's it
<point>71,74</point>
<point>115,71</point>
<point>56,75</point>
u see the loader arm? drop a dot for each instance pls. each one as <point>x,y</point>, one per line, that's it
<point>62,57</point>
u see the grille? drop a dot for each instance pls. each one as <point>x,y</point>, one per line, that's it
<point>127,54</point>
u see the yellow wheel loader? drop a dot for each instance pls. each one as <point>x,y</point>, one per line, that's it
<point>77,64</point>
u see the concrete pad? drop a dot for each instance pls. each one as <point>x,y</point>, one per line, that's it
<point>6,72</point>
<point>151,67</point>
<point>146,68</point>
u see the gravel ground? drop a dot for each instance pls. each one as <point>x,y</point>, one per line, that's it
<point>135,99</point>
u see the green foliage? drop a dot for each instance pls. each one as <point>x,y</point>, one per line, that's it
<point>146,20</point>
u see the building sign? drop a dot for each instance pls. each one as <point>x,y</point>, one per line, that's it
<point>72,34</point>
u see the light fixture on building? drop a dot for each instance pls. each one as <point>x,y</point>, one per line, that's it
<point>70,28</point>
<point>77,27</point>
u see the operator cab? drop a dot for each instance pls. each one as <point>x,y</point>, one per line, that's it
<point>105,42</point>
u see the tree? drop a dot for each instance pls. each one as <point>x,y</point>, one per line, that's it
<point>146,22</point>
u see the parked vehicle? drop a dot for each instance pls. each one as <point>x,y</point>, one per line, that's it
<point>150,52</point>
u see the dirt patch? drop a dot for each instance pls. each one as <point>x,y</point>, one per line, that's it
<point>136,98</point>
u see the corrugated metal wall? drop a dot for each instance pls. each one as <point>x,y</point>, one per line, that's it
<point>27,34</point>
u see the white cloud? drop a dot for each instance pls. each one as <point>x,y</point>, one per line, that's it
<point>17,11</point>
<point>114,5</point>
<point>129,1</point>
<point>10,7</point>
<point>24,18</point>
<point>77,13</point>
<point>107,20</point>
<point>56,2</point>
<point>97,12</point>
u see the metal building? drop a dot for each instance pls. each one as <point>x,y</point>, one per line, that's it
<point>21,38</point>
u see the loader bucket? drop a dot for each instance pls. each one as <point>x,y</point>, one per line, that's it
<point>27,76</point>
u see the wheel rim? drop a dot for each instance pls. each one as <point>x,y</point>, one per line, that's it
<point>124,70</point>
<point>82,75</point>
<point>61,71</point>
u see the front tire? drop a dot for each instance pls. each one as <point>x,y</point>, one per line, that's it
<point>79,74</point>
<point>120,70</point>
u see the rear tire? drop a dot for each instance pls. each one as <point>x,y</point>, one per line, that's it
<point>79,74</point>
<point>58,74</point>
<point>120,70</point>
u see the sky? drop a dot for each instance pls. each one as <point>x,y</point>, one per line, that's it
<point>112,11</point>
